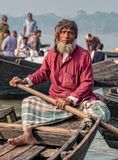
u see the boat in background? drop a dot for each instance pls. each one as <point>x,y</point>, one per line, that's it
<point>106,73</point>
<point>13,66</point>
<point>111,99</point>
<point>111,54</point>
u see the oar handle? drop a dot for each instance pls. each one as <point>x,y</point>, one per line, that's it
<point>68,108</point>
<point>51,100</point>
<point>37,93</point>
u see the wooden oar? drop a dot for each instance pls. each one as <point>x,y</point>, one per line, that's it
<point>68,108</point>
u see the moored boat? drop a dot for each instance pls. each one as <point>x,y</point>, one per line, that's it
<point>111,100</point>
<point>13,66</point>
<point>69,139</point>
<point>111,54</point>
<point>106,73</point>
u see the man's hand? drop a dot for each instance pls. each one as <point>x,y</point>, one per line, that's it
<point>61,103</point>
<point>15,80</point>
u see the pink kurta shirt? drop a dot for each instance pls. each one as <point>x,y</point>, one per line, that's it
<point>73,77</point>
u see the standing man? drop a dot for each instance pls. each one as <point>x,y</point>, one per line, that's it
<point>3,26</point>
<point>69,68</point>
<point>30,25</point>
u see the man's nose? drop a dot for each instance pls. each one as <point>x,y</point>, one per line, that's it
<point>66,34</point>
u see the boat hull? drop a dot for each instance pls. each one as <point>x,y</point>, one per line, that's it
<point>106,73</point>
<point>110,138</point>
<point>10,67</point>
<point>69,139</point>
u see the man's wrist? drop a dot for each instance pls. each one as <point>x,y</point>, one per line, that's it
<point>74,99</point>
<point>25,81</point>
<point>71,102</point>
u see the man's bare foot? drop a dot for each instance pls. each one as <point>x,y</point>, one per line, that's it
<point>22,140</point>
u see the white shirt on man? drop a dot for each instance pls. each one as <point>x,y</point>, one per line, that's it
<point>31,27</point>
<point>8,46</point>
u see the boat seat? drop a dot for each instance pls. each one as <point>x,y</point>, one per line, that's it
<point>7,114</point>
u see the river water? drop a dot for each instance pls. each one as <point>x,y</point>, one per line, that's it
<point>99,150</point>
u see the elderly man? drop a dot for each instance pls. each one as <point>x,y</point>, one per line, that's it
<point>70,71</point>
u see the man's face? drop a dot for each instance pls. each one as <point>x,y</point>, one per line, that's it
<point>67,36</point>
<point>29,16</point>
<point>5,35</point>
<point>4,19</point>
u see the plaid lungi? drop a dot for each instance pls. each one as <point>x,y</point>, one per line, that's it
<point>36,111</point>
<point>96,108</point>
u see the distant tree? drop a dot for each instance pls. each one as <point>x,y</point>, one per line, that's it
<point>81,12</point>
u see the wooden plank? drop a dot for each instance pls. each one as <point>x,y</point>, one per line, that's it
<point>47,135</point>
<point>3,146</point>
<point>31,153</point>
<point>6,149</point>
<point>12,152</point>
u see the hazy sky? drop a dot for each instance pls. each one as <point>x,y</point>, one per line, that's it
<point>59,7</point>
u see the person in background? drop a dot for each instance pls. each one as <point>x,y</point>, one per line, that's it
<point>96,53</point>
<point>3,27</point>
<point>100,46</point>
<point>14,36</point>
<point>8,45</point>
<point>69,68</point>
<point>24,49</point>
<point>19,40</point>
<point>88,40</point>
<point>30,25</point>
<point>35,42</point>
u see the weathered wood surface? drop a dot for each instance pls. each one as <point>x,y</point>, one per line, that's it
<point>7,113</point>
<point>76,152</point>
<point>27,152</point>
<point>103,64</point>
<point>106,72</point>
<point>68,135</point>
<point>47,135</point>
<point>68,145</point>
<point>82,147</point>
<point>50,135</point>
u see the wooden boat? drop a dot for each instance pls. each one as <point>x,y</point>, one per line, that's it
<point>70,140</point>
<point>13,66</point>
<point>106,73</point>
<point>112,102</point>
<point>111,54</point>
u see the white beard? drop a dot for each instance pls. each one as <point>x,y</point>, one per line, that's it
<point>66,48</point>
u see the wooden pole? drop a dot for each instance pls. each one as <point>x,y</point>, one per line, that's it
<point>68,108</point>
<point>52,100</point>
